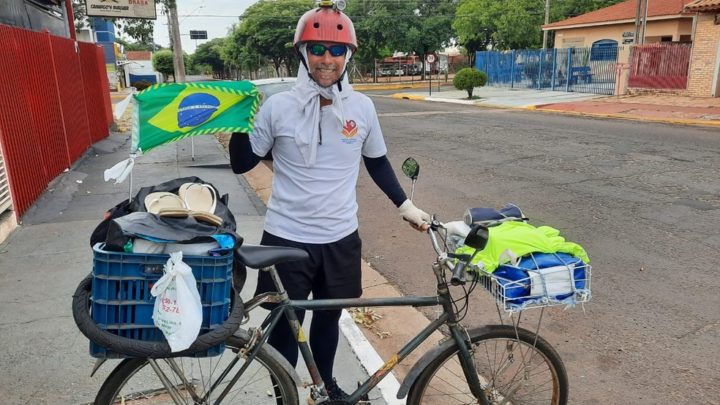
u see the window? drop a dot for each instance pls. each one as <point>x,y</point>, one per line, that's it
<point>604,49</point>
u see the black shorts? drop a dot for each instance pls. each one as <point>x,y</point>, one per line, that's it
<point>333,270</point>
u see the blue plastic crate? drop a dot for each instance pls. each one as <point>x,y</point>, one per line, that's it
<point>122,303</point>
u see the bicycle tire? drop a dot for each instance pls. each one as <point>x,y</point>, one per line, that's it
<point>134,379</point>
<point>137,348</point>
<point>440,376</point>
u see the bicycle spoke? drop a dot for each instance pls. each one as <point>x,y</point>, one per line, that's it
<point>512,371</point>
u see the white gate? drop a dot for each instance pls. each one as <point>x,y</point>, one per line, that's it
<point>5,201</point>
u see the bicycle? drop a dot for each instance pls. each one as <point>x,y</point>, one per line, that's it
<point>491,364</point>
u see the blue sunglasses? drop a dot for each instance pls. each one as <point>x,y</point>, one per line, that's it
<point>320,49</point>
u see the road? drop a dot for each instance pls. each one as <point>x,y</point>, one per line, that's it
<point>643,199</point>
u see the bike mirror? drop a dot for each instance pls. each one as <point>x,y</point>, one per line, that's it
<point>477,238</point>
<point>411,168</point>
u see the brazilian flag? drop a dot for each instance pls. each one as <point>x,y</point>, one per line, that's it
<point>172,111</point>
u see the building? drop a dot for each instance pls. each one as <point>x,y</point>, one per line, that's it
<point>138,66</point>
<point>690,65</point>
<point>704,74</point>
<point>667,21</point>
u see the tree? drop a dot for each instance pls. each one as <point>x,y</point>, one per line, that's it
<point>469,78</point>
<point>371,19</point>
<point>473,29</point>
<point>431,28</point>
<point>500,24</point>
<point>79,15</point>
<point>137,46</point>
<point>560,10</point>
<point>163,62</point>
<point>266,30</point>
<point>138,29</point>
<point>237,55</point>
<point>210,54</point>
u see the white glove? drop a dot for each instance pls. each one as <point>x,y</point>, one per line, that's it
<point>413,214</point>
<point>457,228</point>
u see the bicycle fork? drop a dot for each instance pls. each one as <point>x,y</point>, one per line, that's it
<point>466,361</point>
<point>461,338</point>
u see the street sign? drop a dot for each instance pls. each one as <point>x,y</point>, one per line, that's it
<point>198,34</point>
<point>430,58</point>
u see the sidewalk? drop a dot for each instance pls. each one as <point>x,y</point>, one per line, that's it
<point>44,357</point>
<point>651,108</point>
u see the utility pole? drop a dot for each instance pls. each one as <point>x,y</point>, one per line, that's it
<point>640,21</point>
<point>547,21</point>
<point>175,43</point>
<point>642,37</point>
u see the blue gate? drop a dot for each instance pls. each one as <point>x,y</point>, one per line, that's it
<point>583,70</point>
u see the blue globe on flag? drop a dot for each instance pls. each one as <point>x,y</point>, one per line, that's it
<point>196,109</point>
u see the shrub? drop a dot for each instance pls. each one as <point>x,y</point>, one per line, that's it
<point>141,85</point>
<point>469,78</point>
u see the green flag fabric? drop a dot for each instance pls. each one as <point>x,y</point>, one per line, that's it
<point>169,112</point>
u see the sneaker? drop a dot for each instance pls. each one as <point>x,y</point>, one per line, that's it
<point>335,393</point>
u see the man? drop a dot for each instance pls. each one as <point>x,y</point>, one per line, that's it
<point>318,133</point>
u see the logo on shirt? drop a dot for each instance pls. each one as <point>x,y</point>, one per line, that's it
<point>349,129</point>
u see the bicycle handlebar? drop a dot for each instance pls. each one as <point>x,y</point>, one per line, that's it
<point>458,270</point>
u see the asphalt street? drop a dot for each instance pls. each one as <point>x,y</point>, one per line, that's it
<point>642,198</point>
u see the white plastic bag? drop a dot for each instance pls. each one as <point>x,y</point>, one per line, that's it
<point>178,309</point>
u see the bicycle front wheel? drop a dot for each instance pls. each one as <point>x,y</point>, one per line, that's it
<point>515,366</point>
<point>200,381</point>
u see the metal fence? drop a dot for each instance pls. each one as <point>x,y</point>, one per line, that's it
<point>660,66</point>
<point>54,103</point>
<point>583,70</point>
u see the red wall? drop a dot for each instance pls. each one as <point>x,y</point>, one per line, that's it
<point>54,103</point>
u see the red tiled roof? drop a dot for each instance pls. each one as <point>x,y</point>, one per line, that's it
<point>138,55</point>
<point>703,5</point>
<point>625,11</point>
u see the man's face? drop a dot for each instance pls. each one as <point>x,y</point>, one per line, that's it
<point>324,67</point>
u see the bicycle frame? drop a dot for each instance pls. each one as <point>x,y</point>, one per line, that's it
<point>287,308</point>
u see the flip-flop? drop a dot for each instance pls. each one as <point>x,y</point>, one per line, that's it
<point>172,212</point>
<point>198,197</point>
<point>211,219</point>
<point>207,217</point>
<point>154,202</point>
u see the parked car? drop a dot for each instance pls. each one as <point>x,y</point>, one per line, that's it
<point>385,72</point>
<point>412,70</point>
<point>268,87</point>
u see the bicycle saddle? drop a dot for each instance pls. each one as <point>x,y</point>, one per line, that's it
<point>258,256</point>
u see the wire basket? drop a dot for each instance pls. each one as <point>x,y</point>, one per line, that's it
<point>536,283</point>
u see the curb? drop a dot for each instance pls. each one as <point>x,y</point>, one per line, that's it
<point>389,86</point>
<point>673,121</point>
<point>539,108</point>
<point>369,358</point>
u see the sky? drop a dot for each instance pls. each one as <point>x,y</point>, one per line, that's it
<point>214,16</point>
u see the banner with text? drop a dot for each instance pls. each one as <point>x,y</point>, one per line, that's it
<point>121,8</point>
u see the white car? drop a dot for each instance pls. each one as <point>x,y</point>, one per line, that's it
<point>268,87</point>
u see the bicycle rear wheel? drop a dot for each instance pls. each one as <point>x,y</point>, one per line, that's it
<point>200,380</point>
<point>515,367</point>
